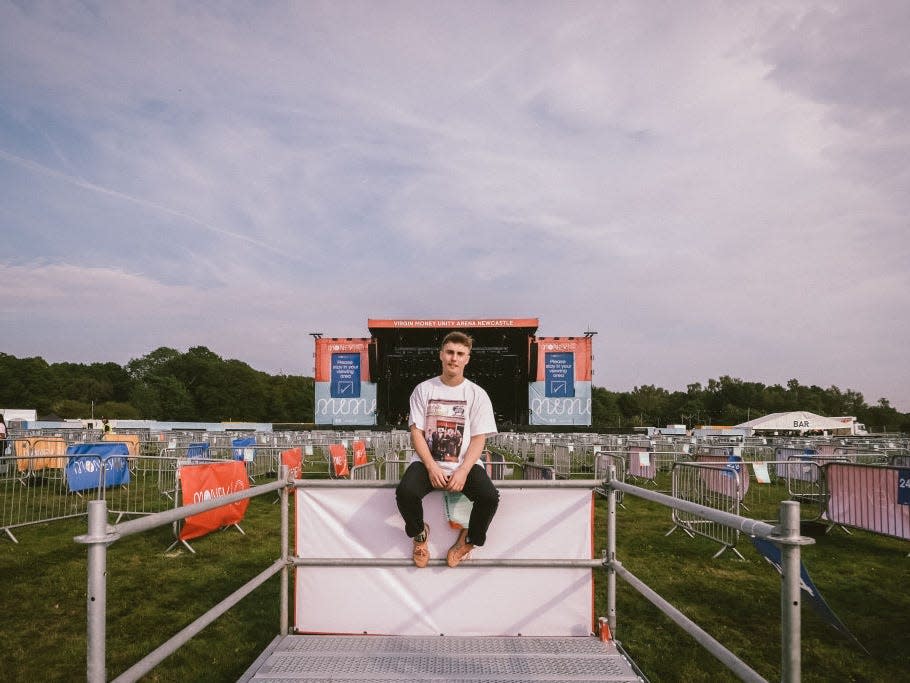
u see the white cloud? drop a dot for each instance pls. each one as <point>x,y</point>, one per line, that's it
<point>717,189</point>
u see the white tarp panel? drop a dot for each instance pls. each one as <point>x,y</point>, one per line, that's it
<point>464,601</point>
<point>798,420</point>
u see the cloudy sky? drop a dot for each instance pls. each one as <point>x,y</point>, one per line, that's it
<point>716,188</point>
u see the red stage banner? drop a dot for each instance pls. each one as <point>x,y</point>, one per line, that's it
<point>360,453</point>
<point>339,460</point>
<point>293,459</point>
<point>207,481</point>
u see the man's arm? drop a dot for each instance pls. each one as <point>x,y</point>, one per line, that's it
<point>475,450</point>
<point>437,474</point>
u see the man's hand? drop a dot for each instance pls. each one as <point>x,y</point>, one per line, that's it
<point>438,477</point>
<point>457,479</point>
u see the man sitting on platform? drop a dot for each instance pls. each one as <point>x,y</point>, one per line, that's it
<point>463,409</point>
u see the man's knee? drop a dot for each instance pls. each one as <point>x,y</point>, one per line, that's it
<point>405,492</point>
<point>488,496</point>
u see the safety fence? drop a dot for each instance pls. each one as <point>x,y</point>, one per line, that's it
<point>732,477</point>
<point>34,488</point>
<point>48,478</point>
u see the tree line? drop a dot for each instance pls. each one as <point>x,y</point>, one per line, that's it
<point>196,386</point>
<point>200,386</point>
<point>731,401</point>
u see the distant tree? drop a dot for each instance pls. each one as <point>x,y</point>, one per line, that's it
<point>69,409</point>
<point>117,410</point>
<point>605,411</point>
<point>163,397</point>
<point>26,382</point>
<point>155,363</point>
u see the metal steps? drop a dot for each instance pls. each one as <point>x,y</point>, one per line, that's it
<point>440,658</point>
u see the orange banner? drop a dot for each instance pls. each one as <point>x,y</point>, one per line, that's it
<point>293,459</point>
<point>207,481</point>
<point>360,453</point>
<point>339,460</point>
<point>40,452</point>
<point>131,441</point>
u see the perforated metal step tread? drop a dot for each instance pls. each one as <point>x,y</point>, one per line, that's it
<point>441,658</point>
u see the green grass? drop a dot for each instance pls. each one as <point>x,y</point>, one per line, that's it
<point>152,594</point>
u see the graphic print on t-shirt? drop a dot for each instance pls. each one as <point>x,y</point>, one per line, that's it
<point>444,428</point>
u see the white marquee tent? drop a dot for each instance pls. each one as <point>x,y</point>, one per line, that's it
<point>795,421</point>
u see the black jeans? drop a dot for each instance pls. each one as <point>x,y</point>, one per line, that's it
<point>478,488</point>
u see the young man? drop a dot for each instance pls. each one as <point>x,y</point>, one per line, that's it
<point>460,410</point>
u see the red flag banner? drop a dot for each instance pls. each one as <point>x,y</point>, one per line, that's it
<point>208,481</point>
<point>293,460</point>
<point>360,453</point>
<point>339,460</point>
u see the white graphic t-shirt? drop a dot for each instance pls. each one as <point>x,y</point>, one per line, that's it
<point>449,417</point>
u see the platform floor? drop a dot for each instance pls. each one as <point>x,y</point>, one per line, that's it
<point>440,658</point>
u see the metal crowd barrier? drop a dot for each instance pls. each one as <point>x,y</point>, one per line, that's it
<point>603,462</point>
<point>714,486</point>
<point>640,464</point>
<point>34,488</point>
<point>366,472</point>
<point>870,497</point>
<point>32,493</point>
<point>664,459</point>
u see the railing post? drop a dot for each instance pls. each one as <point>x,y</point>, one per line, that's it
<point>611,550</point>
<point>97,592</point>
<point>283,600</point>
<point>791,657</point>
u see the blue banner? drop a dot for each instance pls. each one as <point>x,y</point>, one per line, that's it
<point>242,448</point>
<point>345,375</point>
<point>733,466</point>
<point>97,465</point>
<point>771,553</point>
<point>559,375</point>
<point>197,449</point>
<point>903,487</point>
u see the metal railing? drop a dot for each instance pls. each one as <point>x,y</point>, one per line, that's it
<point>786,535</point>
<point>101,535</point>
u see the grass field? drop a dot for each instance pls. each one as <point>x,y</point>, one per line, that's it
<point>153,593</point>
